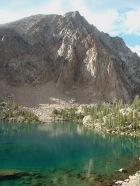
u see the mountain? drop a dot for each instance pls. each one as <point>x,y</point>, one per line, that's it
<point>70,52</point>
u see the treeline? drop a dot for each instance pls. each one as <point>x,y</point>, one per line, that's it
<point>116,116</point>
<point>10,111</point>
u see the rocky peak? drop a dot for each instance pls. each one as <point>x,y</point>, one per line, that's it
<point>75,15</point>
<point>71,52</point>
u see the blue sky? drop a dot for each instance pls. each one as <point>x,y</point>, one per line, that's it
<point>118,18</point>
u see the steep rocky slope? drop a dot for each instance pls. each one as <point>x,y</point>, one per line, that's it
<point>70,52</point>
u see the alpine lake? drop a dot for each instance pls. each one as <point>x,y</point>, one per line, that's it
<point>64,154</point>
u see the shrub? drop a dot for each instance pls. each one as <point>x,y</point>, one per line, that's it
<point>14,106</point>
<point>55,111</point>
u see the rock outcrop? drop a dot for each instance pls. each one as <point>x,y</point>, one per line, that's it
<point>71,52</point>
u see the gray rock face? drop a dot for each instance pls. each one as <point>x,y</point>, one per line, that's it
<point>71,52</point>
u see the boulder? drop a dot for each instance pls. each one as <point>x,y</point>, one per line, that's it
<point>87,120</point>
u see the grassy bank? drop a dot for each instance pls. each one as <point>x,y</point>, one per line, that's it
<point>115,117</point>
<point>10,111</point>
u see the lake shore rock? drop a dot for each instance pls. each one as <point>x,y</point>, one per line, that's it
<point>131,181</point>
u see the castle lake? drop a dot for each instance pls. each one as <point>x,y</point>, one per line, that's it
<point>63,154</point>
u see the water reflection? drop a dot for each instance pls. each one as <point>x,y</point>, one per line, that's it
<point>7,128</point>
<point>65,152</point>
<point>89,168</point>
<point>58,130</point>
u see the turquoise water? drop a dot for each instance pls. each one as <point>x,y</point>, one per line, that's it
<point>63,154</point>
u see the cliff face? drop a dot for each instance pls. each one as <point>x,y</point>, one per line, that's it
<point>71,52</point>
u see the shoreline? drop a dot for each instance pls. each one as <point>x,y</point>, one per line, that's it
<point>133,180</point>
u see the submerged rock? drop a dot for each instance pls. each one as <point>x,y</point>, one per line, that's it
<point>11,174</point>
<point>36,182</point>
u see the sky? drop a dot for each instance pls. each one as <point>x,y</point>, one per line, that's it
<point>117,18</point>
